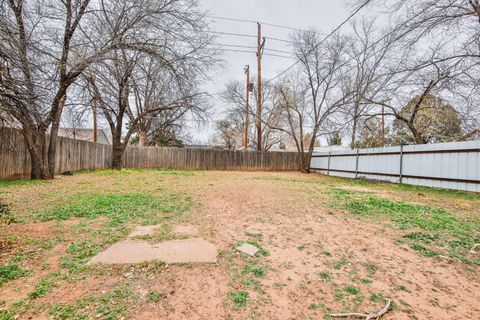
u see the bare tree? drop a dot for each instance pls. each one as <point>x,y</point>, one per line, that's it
<point>227,134</point>
<point>312,96</point>
<point>234,97</point>
<point>444,32</point>
<point>45,47</point>
<point>116,86</point>
<point>154,86</point>
<point>370,55</point>
<point>407,94</point>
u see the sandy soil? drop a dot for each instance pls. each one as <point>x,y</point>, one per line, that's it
<point>304,236</point>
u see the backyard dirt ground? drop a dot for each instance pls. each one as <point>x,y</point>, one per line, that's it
<point>326,245</point>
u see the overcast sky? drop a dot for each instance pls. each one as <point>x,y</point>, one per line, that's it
<point>323,15</point>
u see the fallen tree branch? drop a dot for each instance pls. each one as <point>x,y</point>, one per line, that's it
<point>370,316</point>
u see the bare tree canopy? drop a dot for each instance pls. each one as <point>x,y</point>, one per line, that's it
<point>234,96</point>
<point>441,34</point>
<point>45,47</point>
<point>312,95</point>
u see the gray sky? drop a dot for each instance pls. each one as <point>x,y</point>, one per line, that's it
<point>323,15</point>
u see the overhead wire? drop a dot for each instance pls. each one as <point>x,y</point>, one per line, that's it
<point>323,40</point>
<point>240,51</point>
<point>362,52</point>
<point>278,55</point>
<point>278,39</point>
<point>252,21</point>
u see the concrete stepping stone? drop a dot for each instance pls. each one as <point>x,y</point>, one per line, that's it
<point>248,249</point>
<point>131,251</point>
<point>173,251</point>
<point>142,231</point>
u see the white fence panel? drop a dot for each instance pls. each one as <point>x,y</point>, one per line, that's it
<point>453,165</point>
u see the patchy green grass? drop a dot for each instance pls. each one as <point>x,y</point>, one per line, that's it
<point>239,298</point>
<point>107,204</point>
<point>340,263</point>
<point>256,268</point>
<point>352,290</point>
<point>366,281</point>
<point>10,272</point>
<point>21,182</point>
<point>437,231</point>
<point>42,288</point>
<point>405,188</point>
<point>154,296</point>
<point>111,305</point>
<point>104,220</point>
<point>120,208</point>
<point>325,276</point>
<point>110,172</point>
<point>247,273</point>
<point>376,296</point>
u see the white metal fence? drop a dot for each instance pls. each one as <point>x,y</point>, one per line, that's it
<point>453,165</point>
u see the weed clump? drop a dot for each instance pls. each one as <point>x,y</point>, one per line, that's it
<point>11,272</point>
<point>5,214</point>
<point>240,298</point>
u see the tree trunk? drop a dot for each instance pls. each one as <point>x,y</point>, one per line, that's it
<point>306,162</point>
<point>52,147</point>
<point>117,158</point>
<point>117,150</point>
<point>301,161</point>
<point>142,135</point>
<point>38,157</point>
<point>354,134</point>
<point>355,123</point>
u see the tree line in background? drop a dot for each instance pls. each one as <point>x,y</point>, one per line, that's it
<point>139,65</point>
<point>421,73</point>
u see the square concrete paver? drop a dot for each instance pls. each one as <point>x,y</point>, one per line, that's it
<point>173,251</point>
<point>142,231</point>
<point>248,249</point>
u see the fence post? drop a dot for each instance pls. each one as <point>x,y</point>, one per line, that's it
<point>328,166</point>
<point>356,165</point>
<point>401,164</point>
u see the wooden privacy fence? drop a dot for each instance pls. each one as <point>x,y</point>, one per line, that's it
<point>77,155</point>
<point>454,165</point>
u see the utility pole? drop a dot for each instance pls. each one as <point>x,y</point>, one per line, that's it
<point>260,46</point>
<point>245,125</point>
<point>383,126</point>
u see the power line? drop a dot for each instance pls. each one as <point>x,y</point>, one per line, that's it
<point>368,48</point>
<point>240,51</point>
<point>236,46</point>
<point>278,39</point>
<point>233,34</point>
<point>230,19</point>
<point>265,53</point>
<point>275,50</point>
<point>277,55</point>
<point>323,40</point>
<point>252,21</point>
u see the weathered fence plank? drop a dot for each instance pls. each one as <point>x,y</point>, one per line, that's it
<point>77,155</point>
